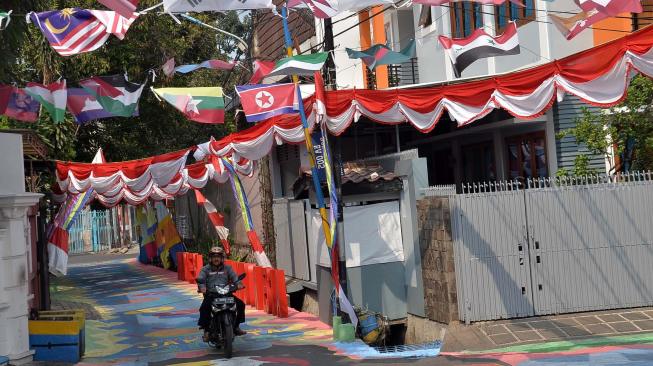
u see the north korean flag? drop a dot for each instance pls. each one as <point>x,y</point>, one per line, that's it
<point>261,102</point>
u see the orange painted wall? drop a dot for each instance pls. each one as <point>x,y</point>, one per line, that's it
<point>378,27</point>
<point>365,34</point>
<point>603,36</point>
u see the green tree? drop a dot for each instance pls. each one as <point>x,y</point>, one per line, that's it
<point>624,131</point>
<point>150,41</point>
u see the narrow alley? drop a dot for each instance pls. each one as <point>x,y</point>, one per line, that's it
<point>142,316</point>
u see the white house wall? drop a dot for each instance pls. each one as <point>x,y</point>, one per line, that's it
<point>349,72</point>
<point>541,42</point>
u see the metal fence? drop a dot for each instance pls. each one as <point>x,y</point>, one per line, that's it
<point>553,245</point>
<point>96,231</point>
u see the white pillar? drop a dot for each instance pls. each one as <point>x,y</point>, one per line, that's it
<point>14,270</point>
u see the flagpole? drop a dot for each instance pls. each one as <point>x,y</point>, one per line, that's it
<point>307,134</point>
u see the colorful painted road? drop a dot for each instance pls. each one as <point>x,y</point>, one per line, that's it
<point>148,319</point>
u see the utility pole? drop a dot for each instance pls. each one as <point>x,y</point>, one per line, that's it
<point>330,78</point>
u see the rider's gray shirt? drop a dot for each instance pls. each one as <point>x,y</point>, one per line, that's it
<point>211,276</point>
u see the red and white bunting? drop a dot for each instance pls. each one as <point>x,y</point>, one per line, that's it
<point>217,219</point>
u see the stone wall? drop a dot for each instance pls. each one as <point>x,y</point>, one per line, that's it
<point>436,246</point>
<point>421,330</point>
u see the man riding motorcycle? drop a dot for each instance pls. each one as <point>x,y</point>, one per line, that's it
<point>218,273</point>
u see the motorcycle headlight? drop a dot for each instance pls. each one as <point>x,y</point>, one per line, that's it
<point>222,290</point>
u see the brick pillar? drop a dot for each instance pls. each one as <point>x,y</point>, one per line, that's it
<point>438,270</point>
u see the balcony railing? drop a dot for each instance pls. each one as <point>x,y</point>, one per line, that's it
<point>403,74</point>
<point>398,75</point>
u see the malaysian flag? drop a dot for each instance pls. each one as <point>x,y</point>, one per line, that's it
<point>72,31</point>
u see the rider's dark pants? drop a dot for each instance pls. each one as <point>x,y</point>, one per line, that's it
<point>205,312</point>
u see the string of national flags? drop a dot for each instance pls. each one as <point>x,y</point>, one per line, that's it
<point>102,97</point>
<point>72,31</point>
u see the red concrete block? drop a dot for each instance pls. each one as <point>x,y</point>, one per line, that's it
<point>271,294</point>
<point>242,294</point>
<point>250,284</point>
<point>281,293</point>
<point>189,267</point>
<point>180,266</point>
<point>195,263</point>
<point>259,279</point>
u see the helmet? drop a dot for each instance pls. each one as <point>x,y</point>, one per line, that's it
<point>216,251</point>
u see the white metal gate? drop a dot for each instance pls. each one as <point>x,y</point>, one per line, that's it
<point>559,246</point>
<point>492,264</point>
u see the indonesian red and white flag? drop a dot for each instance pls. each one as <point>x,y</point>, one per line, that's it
<point>261,70</point>
<point>464,51</point>
<point>261,102</point>
<point>320,95</point>
<point>593,11</point>
<point>217,219</point>
<point>58,232</point>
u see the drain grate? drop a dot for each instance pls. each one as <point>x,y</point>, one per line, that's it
<point>417,349</point>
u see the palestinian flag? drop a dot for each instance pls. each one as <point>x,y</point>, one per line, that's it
<point>300,64</point>
<point>464,51</point>
<point>115,94</point>
<point>204,105</point>
<point>52,96</point>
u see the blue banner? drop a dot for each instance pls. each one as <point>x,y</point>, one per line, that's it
<point>316,138</point>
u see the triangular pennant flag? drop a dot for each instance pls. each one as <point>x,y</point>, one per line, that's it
<point>210,64</point>
<point>381,54</point>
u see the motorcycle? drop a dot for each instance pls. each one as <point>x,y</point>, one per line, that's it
<point>223,316</point>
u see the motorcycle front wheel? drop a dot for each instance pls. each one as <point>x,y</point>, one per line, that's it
<point>228,336</point>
